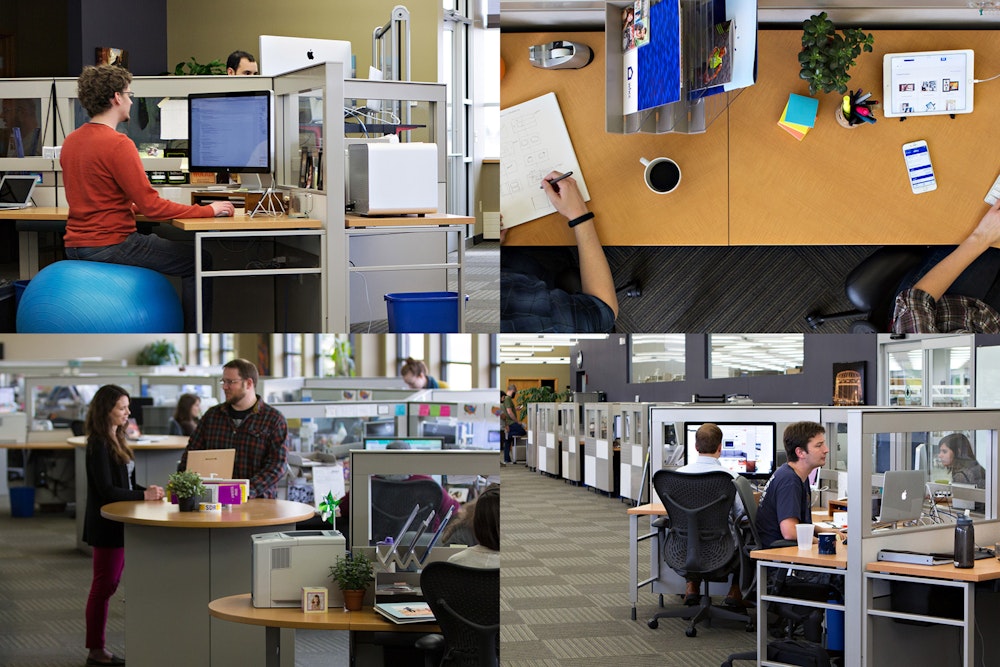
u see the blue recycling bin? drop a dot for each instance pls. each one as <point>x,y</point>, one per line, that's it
<point>422,312</point>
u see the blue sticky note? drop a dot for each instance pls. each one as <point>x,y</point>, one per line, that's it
<point>802,110</point>
<point>400,409</point>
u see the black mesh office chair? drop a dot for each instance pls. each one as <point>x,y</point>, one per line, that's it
<point>466,605</point>
<point>872,287</point>
<point>76,426</point>
<point>393,500</point>
<point>749,540</point>
<point>699,540</point>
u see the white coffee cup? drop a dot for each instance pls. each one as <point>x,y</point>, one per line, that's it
<point>662,174</point>
<point>804,535</point>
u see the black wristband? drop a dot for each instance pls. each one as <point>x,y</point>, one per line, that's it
<point>589,215</point>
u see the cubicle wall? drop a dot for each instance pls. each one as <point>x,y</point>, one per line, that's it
<point>598,464</point>
<point>548,439</point>
<point>570,442</point>
<point>531,426</point>
<point>461,425</point>
<point>630,421</point>
<point>455,468</point>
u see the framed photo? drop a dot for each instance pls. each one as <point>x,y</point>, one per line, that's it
<point>314,599</point>
<point>849,383</point>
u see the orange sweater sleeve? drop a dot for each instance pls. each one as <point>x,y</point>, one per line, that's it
<point>104,176</point>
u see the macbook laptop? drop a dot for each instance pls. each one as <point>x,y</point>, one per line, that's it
<point>15,191</point>
<point>902,495</point>
<point>212,462</point>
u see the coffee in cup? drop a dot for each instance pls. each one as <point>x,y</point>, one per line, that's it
<point>662,174</point>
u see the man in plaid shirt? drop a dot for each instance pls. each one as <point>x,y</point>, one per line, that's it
<point>245,423</point>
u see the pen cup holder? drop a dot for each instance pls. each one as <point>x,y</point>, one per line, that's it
<point>842,121</point>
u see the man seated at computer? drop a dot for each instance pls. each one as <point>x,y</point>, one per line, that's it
<point>708,443</point>
<point>968,272</point>
<point>106,185</point>
<point>532,296</point>
<point>787,498</point>
<point>245,423</point>
<point>241,63</point>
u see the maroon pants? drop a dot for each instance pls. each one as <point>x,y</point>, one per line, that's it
<point>108,565</point>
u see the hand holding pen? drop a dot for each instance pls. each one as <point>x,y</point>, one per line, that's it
<point>553,181</point>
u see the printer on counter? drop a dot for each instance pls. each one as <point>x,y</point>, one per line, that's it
<point>284,562</point>
<point>393,178</point>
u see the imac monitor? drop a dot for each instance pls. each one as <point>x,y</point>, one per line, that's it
<point>748,448</point>
<point>380,429</point>
<point>927,83</point>
<point>231,132</point>
<point>425,444</point>
<point>279,55</point>
<point>136,406</point>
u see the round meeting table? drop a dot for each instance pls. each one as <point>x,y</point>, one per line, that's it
<point>177,562</point>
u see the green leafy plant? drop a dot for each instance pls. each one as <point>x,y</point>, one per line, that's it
<point>158,353</point>
<point>827,54</point>
<point>536,395</point>
<point>195,68</point>
<point>185,484</point>
<point>342,357</point>
<point>352,572</point>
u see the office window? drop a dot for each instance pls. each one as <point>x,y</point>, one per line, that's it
<point>334,354</point>
<point>743,355</point>
<point>293,362</point>
<point>203,349</point>
<point>227,347</point>
<point>409,345</point>
<point>456,360</point>
<point>491,92</point>
<point>494,361</point>
<point>656,358</point>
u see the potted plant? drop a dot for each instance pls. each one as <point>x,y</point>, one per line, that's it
<point>187,487</point>
<point>827,54</point>
<point>353,573</point>
<point>195,68</point>
<point>158,353</point>
<point>536,395</point>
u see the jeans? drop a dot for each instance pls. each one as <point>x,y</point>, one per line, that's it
<point>170,257</point>
<point>108,565</point>
<point>505,444</point>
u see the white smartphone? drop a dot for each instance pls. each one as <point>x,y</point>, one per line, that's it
<point>918,167</point>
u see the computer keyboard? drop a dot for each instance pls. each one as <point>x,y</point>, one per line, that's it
<point>994,194</point>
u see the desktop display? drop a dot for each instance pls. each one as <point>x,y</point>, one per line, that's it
<point>279,55</point>
<point>231,132</point>
<point>424,444</point>
<point>748,448</point>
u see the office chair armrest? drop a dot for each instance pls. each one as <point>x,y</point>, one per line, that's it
<point>663,522</point>
<point>432,642</point>
<point>777,544</point>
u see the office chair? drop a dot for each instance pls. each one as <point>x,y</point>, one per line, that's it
<point>76,426</point>
<point>699,540</point>
<point>393,500</point>
<point>466,605</point>
<point>749,540</point>
<point>872,287</point>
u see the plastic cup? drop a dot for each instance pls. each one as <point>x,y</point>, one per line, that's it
<point>804,535</point>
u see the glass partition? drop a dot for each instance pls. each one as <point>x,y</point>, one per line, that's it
<point>20,127</point>
<point>656,358</point>
<point>742,355</point>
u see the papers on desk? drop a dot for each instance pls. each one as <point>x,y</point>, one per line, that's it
<point>533,142</point>
<point>406,612</point>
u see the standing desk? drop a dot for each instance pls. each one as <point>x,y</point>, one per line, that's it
<point>238,609</point>
<point>154,461</point>
<point>748,182</point>
<point>178,562</point>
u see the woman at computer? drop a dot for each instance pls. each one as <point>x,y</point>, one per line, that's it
<point>186,415</point>
<point>110,478</point>
<point>486,528</point>
<point>414,374</point>
<point>955,453</point>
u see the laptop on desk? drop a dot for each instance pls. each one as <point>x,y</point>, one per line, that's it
<point>902,496</point>
<point>212,462</point>
<point>15,191</point>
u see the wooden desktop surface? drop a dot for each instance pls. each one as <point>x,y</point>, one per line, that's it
<point>162,442</point>
<point>254,512</point>
<point>239,609</point>
<point>797,556</point>
<point>240,222</point>
<point>627,213</point>
<point>747,182</point>
<point>428,220</point>
<point>983,570</point>
<point>840,186</point>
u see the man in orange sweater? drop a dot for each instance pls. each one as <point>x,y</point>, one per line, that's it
<point>106,185</point>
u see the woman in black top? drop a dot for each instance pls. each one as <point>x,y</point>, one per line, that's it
<point>110,478</point>
<point>186,415</point>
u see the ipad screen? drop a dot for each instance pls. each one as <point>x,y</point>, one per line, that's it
<point>928,83</point>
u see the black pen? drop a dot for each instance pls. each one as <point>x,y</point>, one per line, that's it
<point>556,180</point>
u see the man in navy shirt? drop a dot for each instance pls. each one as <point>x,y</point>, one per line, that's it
<point>787,500</point>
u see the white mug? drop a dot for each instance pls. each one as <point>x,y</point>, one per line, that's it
<point>662,174</point>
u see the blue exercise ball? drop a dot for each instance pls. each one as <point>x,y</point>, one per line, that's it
<point>74,296</point>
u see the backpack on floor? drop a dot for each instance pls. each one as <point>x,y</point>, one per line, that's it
<point>798,652</point>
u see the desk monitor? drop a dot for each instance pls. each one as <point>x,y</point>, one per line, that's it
<point>380,429</point>
<point>423,444</point>
<point>446,430</point>
<point>136,405</point>
<point>748,448</point>
<point>902,495</point>
<point>927,83</point>
<point>279,55</point>
<point>209,462</point>
<point>231,132</point>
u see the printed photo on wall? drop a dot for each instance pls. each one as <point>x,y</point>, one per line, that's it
<point>849,383</point>
<point>106,55</point>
